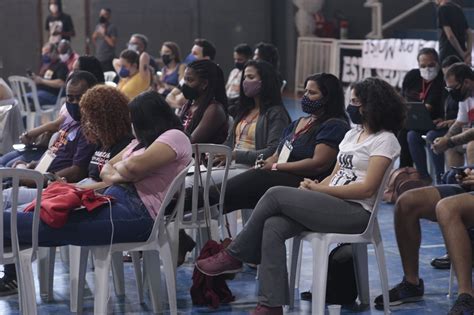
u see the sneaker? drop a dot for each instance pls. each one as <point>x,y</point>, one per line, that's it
<point>464,305</point>
<point>306,296</point>
<point>267,310</point>
<point>404,292</point>
<point>186,244</point>
<point>8,286</point>
<point>219,264</point>
<point>442,262</point>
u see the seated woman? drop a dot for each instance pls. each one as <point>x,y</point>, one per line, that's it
<point>341,203</point>
<point>6,94</point>
<point>134,73</point>
<point>173,71</point>
<point>261,116</point>
<point>204,116</point>
<point>307,149</point>
<point>139,177</point>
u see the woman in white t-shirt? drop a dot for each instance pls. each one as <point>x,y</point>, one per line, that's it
<point>341,203</point>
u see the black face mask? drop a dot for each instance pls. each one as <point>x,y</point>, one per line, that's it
<point>166,59</point>
<point>102,20</point>
<point>240,65</point>
<point>74,111</point>
<point>457,94</point>
<point>354,114</point>
<point>189,93</point>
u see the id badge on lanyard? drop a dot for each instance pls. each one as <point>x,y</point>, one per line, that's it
<point>45,162</point>
<point>285,152</point>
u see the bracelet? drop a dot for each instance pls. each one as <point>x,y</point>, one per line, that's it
<point>450,143</point>
<point>274,167</point>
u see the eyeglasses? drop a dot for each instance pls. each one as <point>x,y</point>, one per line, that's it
<point>70,98</point>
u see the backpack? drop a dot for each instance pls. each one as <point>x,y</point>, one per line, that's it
<point>401,180</point>
<point>341,285</point>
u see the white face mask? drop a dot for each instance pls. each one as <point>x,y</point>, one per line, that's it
<point>53,8</point>
<point>133,47</point>
<point>429,73</point>
<point>64,57</point>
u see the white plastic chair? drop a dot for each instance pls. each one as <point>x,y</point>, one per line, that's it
<point>320,243</point>
<point>163,239</point>
<point>283,85</point>
<point>109,76</point>
<point>196,220</point>
<point>20,87</point>
<point>21,256</point>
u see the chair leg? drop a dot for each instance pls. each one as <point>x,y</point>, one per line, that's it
<point>101,274</point>
<point>137,267</point>
<point>451,282</point>
<point>77,277</point>
<point>380,254</point>
<point>27,284</point>
<point>64,254</point>
<point>320,270</point>
<point>170,274</point>
<point>294,249</point>
<point>151,259</point>
<point>118,274</point>
<point>361,268</point>
<point>46,259</point>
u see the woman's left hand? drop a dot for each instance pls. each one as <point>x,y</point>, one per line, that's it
<point>309,184</point>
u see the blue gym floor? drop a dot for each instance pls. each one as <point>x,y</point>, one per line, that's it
<point>244,285</point>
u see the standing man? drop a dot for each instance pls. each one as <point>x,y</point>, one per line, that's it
<point>105,40</point>
<point>456,37</point>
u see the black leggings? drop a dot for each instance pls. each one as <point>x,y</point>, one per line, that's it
<point>245,190</point>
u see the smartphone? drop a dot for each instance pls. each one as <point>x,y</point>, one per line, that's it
<point>459,170</point>
<point>29,72</point>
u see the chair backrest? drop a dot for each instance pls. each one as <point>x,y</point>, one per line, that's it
<point>210,151</point>
<point>109,76</point>
<point>21,86</point>
<point>379,196</point>
<point>177,187</point>
<point>15,175</point>
<point>283,85</point>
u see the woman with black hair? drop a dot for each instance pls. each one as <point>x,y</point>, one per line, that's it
<point>58,24</point>
<point>261,116</point>
<point>90,64</point>
<point>307,148</point>
<point>204,116</point>
<point>341,203</point>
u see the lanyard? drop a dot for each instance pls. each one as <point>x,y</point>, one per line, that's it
<point>308,125</point>
<point>246,123</point>
<point>425,89</point>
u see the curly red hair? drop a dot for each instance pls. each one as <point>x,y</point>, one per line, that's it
<point>105,117</point>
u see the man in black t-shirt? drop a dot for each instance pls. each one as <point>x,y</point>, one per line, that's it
<point>456,37</point>
<point>51,76</point>
<point>58,24</point>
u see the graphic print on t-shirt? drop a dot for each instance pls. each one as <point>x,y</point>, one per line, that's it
<point>100,158</point>
<point>345,175</point>
<point>55,27</point>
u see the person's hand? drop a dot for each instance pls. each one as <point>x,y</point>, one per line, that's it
<point>308,184</point>
<point>37,79</point>
<point>55,33</point>
<point>25,139</point>
<point>266,165</point>
<point>32,165</point>
<point>442,124</point>
<point>440,145</point>
<point>468,180</point>
<point>19,164</point>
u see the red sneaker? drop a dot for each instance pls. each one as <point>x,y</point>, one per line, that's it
<point>219,264</point>
<point>267,310</point>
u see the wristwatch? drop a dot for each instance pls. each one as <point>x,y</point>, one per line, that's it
<point>274,167</point>
<point>450,143</point>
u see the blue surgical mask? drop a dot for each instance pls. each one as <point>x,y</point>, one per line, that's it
<point>189,58</point>
<point>46,58</point>
<point>309,106</point>
<point>74,111</point>
<point>354,114</point>
<point>124,72</point>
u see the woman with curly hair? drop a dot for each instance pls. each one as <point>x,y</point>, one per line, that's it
<point>341,203</point>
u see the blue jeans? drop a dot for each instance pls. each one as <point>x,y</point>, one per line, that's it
<point>417,145</point>
<point>28,155</point>
<point>131,223</point>
<point>45,98</point>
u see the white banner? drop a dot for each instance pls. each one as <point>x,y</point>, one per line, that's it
<point>393,54</point>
